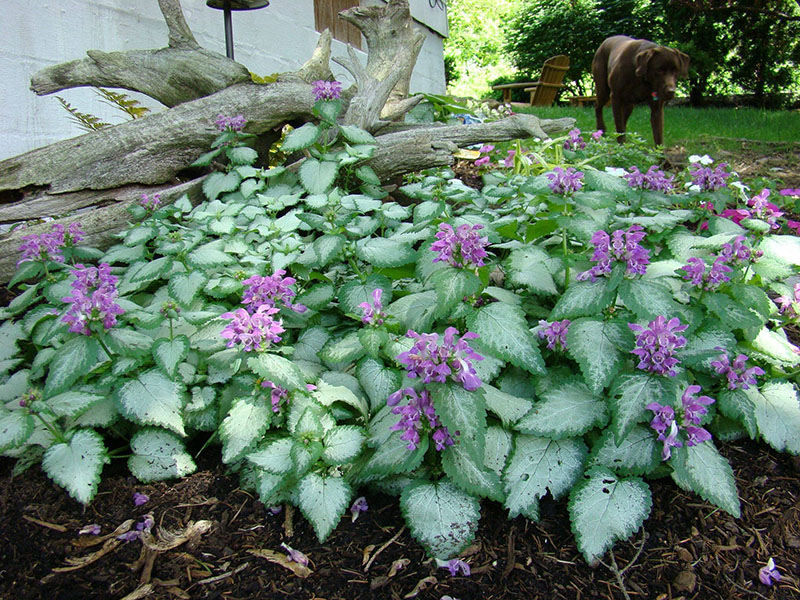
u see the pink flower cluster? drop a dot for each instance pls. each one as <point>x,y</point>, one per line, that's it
<point>657,343</point>
<point>48,245</point>
<point>373,312</point>
<point>94,292</point>
<point>485,159</point>
<point>621,246</point>
<point>460,247</point>
<point>236,123</point>
<point>411,422</point>
<point>555,332</point>
<point>666,426</point>
<point>734,253</point>
<point>432,361</point>
<point>565,182</point>
<point>759,208</point>
<point>708,179</point>
<point>252,330</point>
<point>786,305</point>
<point>272,290</point>
<point>736,373</point>
<point>326,90</point>
<point>150,203</point>
<point>654,179</point>
<point>574,140</point>
<point>278,394</point>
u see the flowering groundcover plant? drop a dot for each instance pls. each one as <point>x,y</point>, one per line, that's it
<point>331,340</point>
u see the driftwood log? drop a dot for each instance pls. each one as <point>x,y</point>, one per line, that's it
<point>107,169</point>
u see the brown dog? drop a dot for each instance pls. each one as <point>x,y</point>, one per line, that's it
<point>630,71</point>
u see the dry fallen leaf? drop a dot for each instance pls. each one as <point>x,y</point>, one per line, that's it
<point>367,551</point>
<point>421,585</point>
<point>398,565</point>
<point>281,559</point>
<point>167,540</point>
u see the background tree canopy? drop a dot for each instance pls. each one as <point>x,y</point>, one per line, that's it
<point>736,46</point>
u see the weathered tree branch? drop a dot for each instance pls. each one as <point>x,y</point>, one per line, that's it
<point>180,72</point>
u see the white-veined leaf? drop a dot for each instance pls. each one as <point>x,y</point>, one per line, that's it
<point>159,455</point>
<point>323,500</point>
<point>76,465</point>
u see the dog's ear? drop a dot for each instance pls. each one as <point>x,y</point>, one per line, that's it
<point>683,63</point>
<point>641,61</point>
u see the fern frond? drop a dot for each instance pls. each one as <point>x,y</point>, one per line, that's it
<point>84,120</point>
<point>129,106</point>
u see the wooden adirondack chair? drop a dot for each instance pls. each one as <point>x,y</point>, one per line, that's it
<point>544,91</point>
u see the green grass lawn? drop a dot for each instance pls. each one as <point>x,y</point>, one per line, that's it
<point>697,129</point>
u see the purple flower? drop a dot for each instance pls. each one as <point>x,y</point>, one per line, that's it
<point>769,573</point>
<point>271,290</point>
<point>373,313</point>
<point>456,566</point>
<point>664,418</point>
<point>93,293</point>
<point>694,408</point>
<point>765,210</point>
<point>145,524</point>
<point>434,362</point>
<point>708,179</point>
<point>482,161</point>
<point>655,179</point>
<point>149,203</point>
<point>574,140</point>
<point>737,252</point>
<point>695,271</point>
<point>236,123</point>
<point>597,135</point>
<point>411,421</point>
<point>508,161</point>
<point>360,505</point>
<point>277,396</point>
<point>790,192</point>
<point>565,182</point>
<point>251,330</point>
<point>486,148</point>
<point>737,375</point>
<point>623,246</point>
<point>295,555</point>
<point>696,435</point>
<point>670,441</point>
<point>555,332</point>
<point>130,536</point>
<point>93,529</point>
<point>326,90</point>
<point>139,499</point>
<point>786,304</point>
<point>462,247</point>
<point>48,245</point>
<point>656,345</point>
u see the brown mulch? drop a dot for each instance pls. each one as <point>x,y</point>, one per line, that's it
<point>690,549</point>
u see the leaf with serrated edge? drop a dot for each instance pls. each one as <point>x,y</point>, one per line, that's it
<point>462,411</point>
<point>169,353</point>
<point>540,464</point>
<point>569,410</point>
<point>159,455</point>
<point>628,397</point>
<point>183,287</point>
<point>16,427</point>
<point>646,298</point>
<point>377,380</point>
<point>527,267</point>
<point>583,298</point>
<point>590,343</point>
<point>637,453</point>
<point>440,516</point>
<point>152,399</point>
<point>504,330</point>
<point>71,404</point>
<point>74,359</point>
<point>343,444</point>
<point>76,465</point>
<point>509,408</point>
<point>777,414</point>
<point>323,500</point>
<point>469,472</point>
<point>278,370</point>
<point>274,456</point>
<point>499,443</point>
<point>709,474</point>
<point>246,422</point>
<point>604,508</point>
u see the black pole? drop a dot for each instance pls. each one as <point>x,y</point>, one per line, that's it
<point>228,29</point>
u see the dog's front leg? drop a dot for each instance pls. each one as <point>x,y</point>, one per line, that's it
<point>622,111</point>
<point>657,121</point>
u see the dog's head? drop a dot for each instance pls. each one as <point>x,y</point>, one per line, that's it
<point>661,67</point>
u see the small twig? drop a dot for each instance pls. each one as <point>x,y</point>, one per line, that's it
<point>382,548</point>
<point>618,574</point>
<point>52,526</point>
<point>223,576</point>
<point>288,522</point>
<point>635,556</point>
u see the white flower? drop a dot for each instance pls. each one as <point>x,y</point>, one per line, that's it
<point>703,160</point>
<point>616,171</point>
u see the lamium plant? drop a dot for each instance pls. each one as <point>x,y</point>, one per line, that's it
<point>328,341</point>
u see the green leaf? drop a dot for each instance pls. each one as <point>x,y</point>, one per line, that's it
<point>16,427</point>
<point>777,414</point>
<point>509,408</point>
<point>499,443</point>
<point>737,405</point>
<point>274,456</point>
<point>241,155</point>
<point>138,235</point>
<point>452,286</point>
<point>365,173</point>
<point>583,299</point>
<point>322,251</point>
<point>700,349</point>
<point>593,344</point>
<point>569,410</point>
<point>646,299</point>
<point>343,444</point>
<point>126,341</point>
<point>323,500</point>
<point>462,411</point>
<point>467,470</point>
<point>391,455</point>
<point>209,256</point>
<point>152,399</point>
<point>636,454</point>
<point>528,267</point>
<point>327,394</point>
<point>317,176</point>
<point>604,508</point>
<point>71,404</point>
<point>377,380</point>
<point>168,354</point>
<point>159,455</point>
<point>345,350</point>
<point>242,429</point>
<point>538,465</point>
<point>183,287</point>
<point>356,135</point>
<point>385,253</point>
<point>775,348</point>
<point>353,293</point>
<point>440,516</point>
<point>76,465</point>
<point>205,159</point>
<point>218,183</point>
<point>415,311</point>
<point>73,361</point>
<point>629,395</point>
<point>300,138</point>
<point>10,333</point>
<point>709,474</point>
<point>373,339</point>
<point>503,329</point>
<point>732,313</point>
<point>317,297</point>
<point>278,370</point>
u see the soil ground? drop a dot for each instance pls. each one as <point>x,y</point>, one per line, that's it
<point>687,549</point>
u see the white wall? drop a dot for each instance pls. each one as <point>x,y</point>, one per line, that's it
<point>40,33</point>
